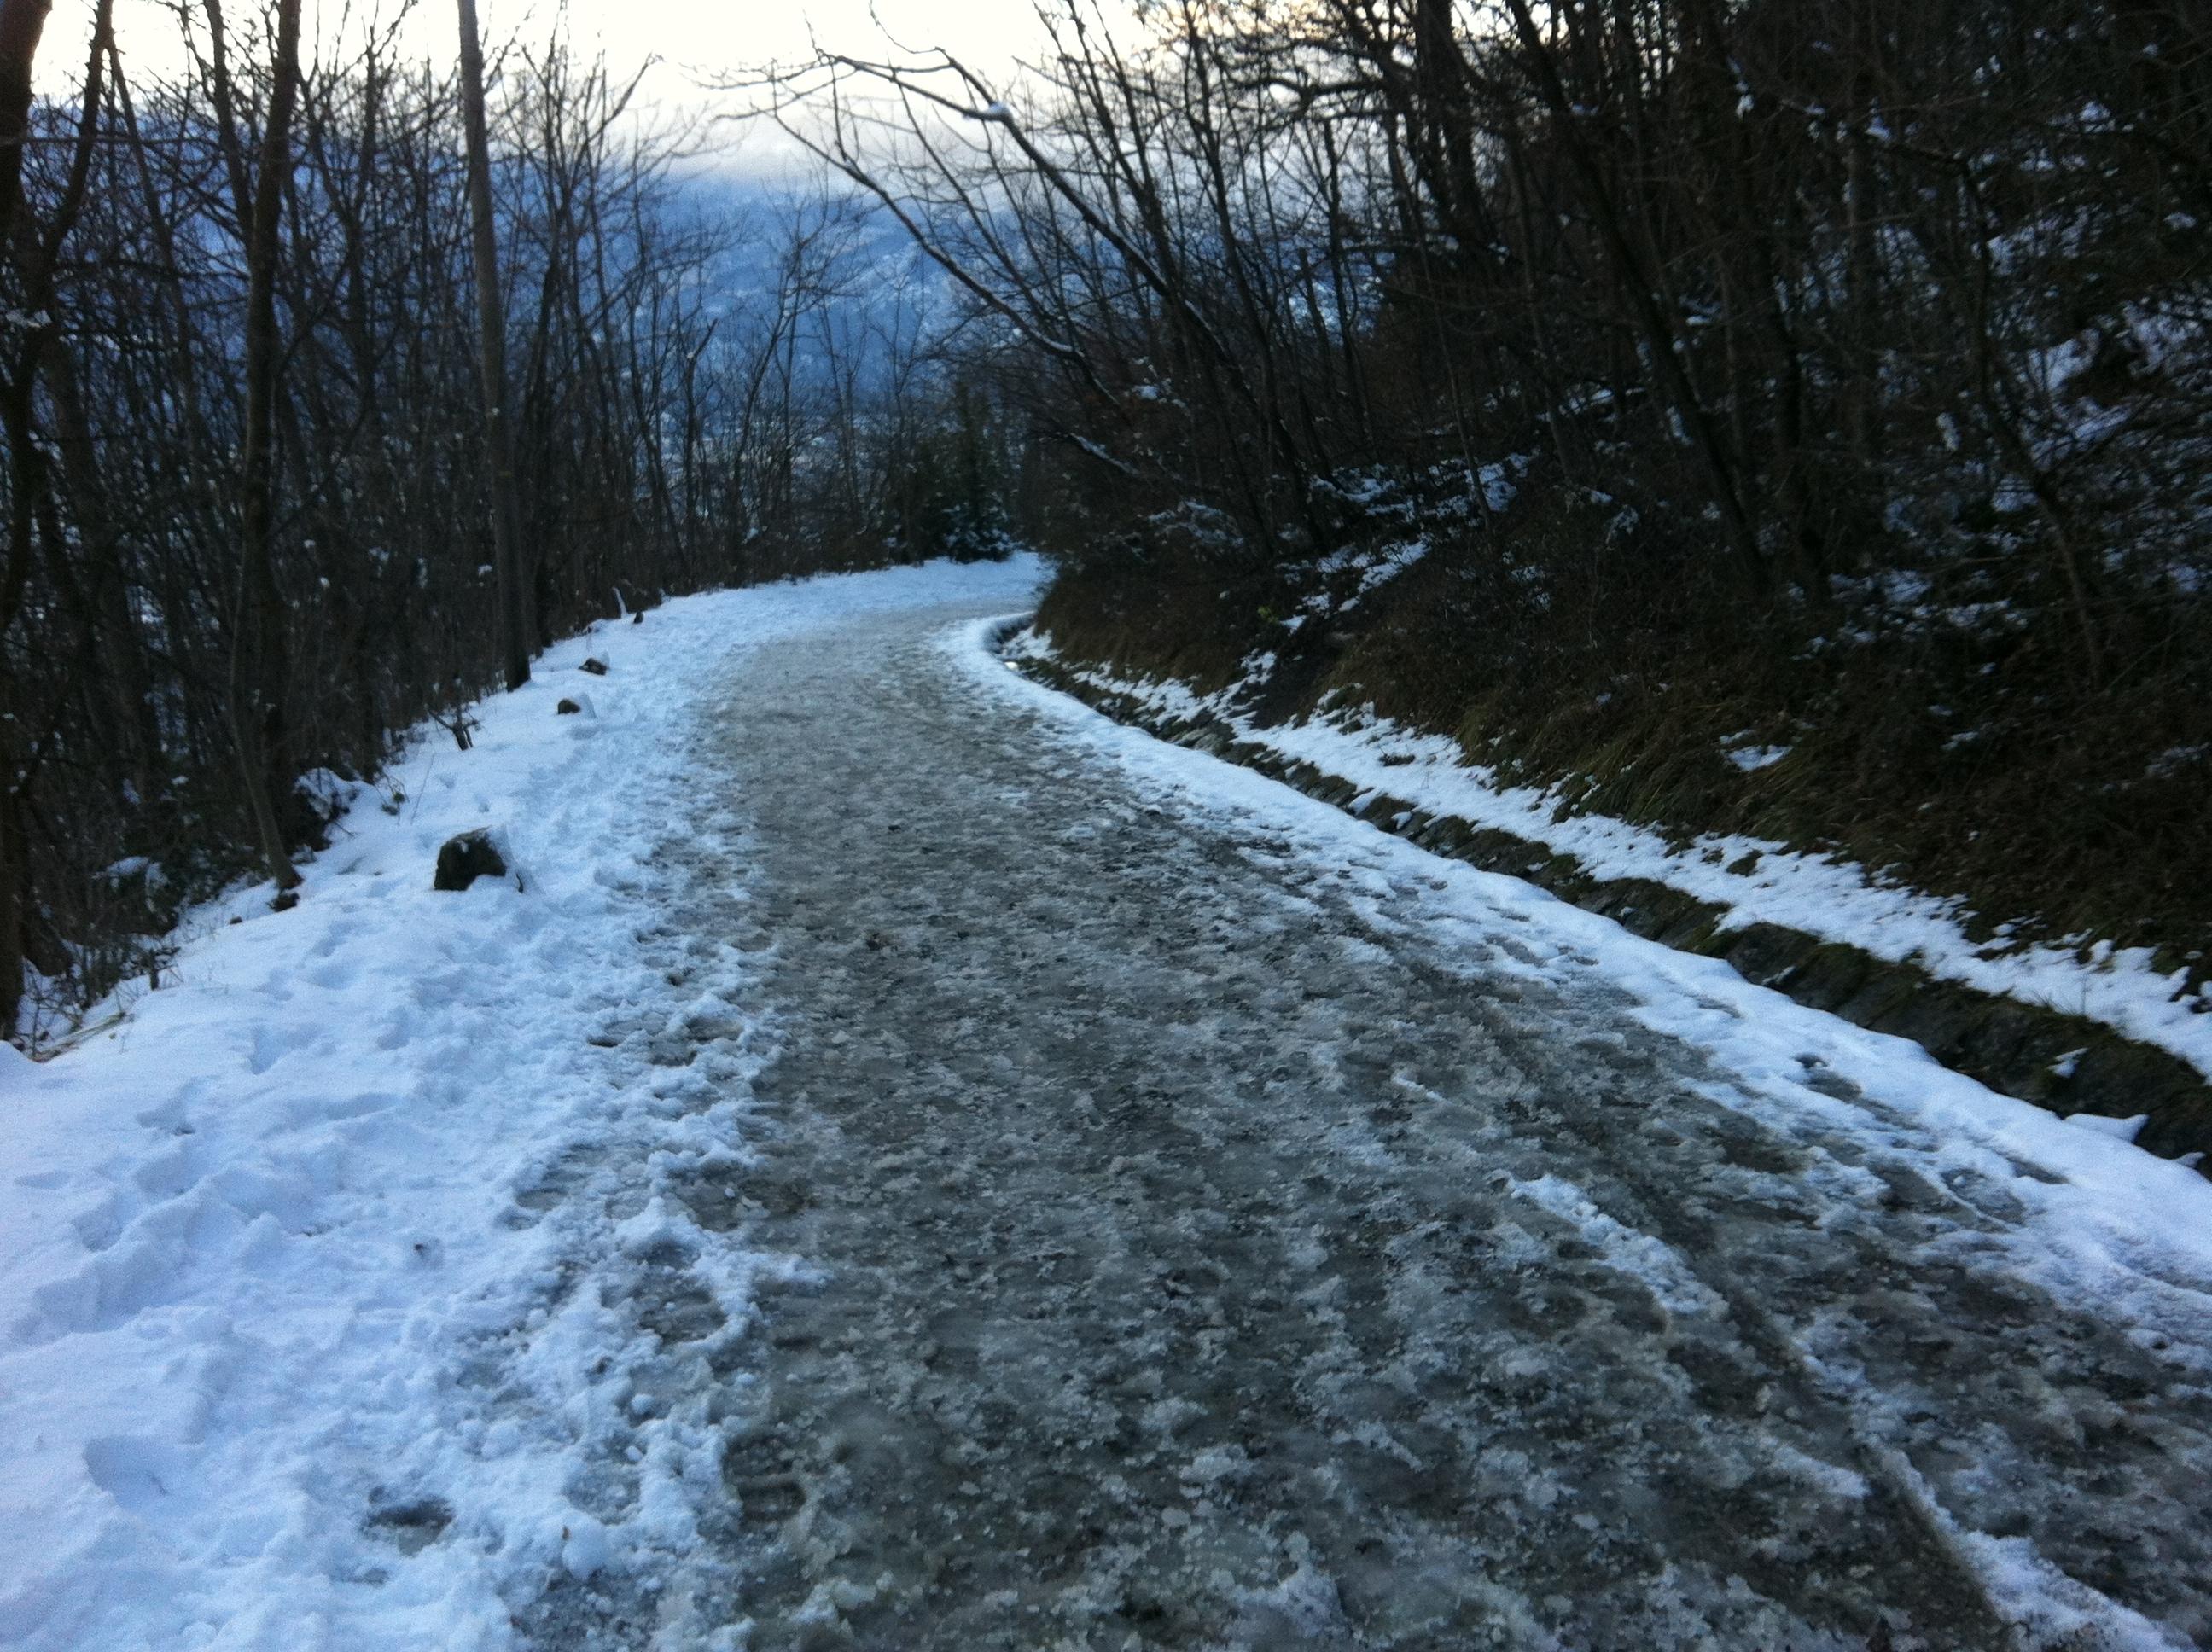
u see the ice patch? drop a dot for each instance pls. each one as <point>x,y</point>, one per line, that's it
<point>1753,880</point>
<point>1649,1261</point>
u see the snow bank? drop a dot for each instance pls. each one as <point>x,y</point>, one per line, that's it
<point>295,1351</point>
<point>1835,899</point>
<point>2101,1222</point>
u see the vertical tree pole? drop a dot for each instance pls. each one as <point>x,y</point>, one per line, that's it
<point>21,23</point>
<point>492,360</point>
<point>258,642</point>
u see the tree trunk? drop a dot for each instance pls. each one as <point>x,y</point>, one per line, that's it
<point>257,642</point>
<point>1639,287</point>
<point>491,361</point>
<point>21,22</point>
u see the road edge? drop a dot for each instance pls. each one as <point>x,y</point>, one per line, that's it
<point>2061,1063</point>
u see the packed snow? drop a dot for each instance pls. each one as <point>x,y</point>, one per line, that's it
<point>280,1365</point>
<point>1242,1229</point>
<point>1757,881</point>
<point>2110,1198</point>
<point>393,1275</point>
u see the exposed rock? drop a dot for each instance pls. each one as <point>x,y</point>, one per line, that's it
<point>638,618</point>
<point>464,859</point>
<point>596,667</point>
<point>567,708</point>
<point>410,1526</point>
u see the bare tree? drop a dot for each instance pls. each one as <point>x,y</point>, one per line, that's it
<point>259,640</point>
<point>491,358</point>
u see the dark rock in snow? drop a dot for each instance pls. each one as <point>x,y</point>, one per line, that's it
<point>638,618</point>
<point>467,857</point>
<point>411,1527</point>
<point>567,708</point>
<point>596,667</point>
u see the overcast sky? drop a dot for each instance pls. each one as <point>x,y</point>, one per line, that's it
<point>688,37</point>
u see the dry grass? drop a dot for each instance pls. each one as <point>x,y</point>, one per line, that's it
<point>1971,761</point>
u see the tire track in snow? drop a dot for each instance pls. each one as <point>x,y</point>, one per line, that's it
<point>1230,1232</point>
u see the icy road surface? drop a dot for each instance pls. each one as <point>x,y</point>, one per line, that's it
<point>912,1165</point>
<point>1230,1227</point>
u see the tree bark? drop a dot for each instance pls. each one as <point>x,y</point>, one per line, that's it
<point>492,360</point>
<point>21,23</point>
<point>257,662</point>
<point>1639,287</point>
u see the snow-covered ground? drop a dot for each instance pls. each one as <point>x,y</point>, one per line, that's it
<point>266,1298</point>
<point>1757,881</point>
<point>394,1275</point>
<point>2108,1198</point>
<point>1238,1228</point>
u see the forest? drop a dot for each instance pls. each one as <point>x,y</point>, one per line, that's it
<point>1607,383</point>
<point>254,521</point>
<point>1788,419</point>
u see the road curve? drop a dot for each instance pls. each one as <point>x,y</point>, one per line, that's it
<point>1206,1255</point>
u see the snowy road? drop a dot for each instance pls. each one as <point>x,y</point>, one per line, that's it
<point>1233,1227</point>
<point>909,1165</point>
